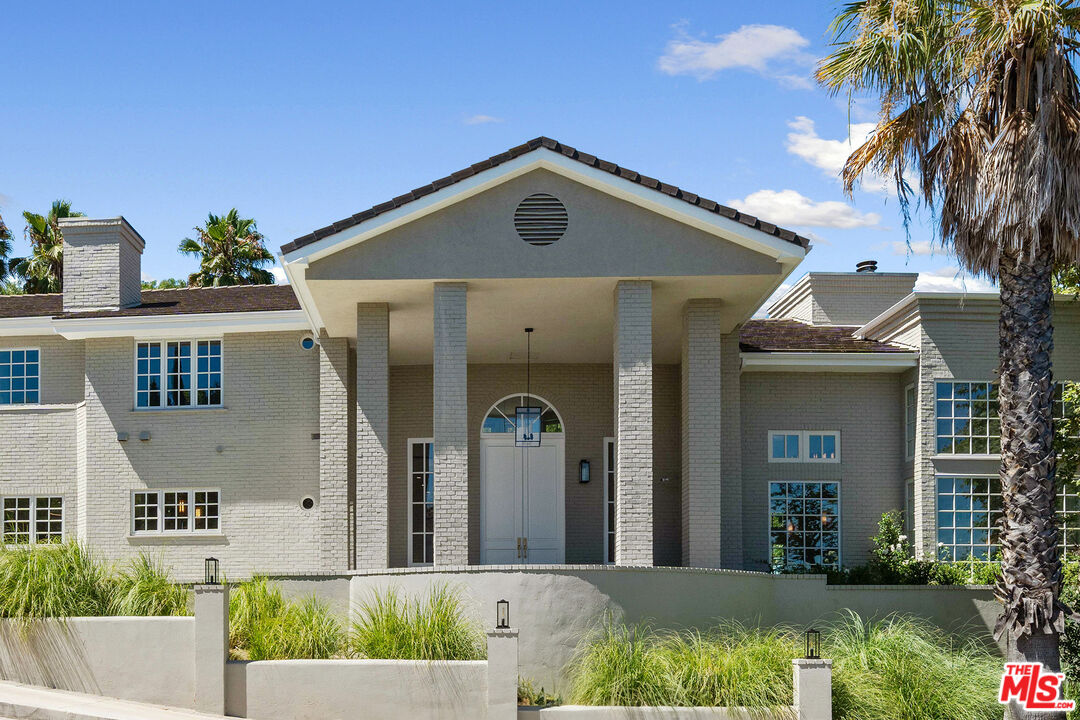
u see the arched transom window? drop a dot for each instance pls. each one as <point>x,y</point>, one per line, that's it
<point>500,418</point>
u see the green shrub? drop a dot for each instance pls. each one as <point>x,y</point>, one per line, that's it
<point>252,604</point>
<point>145,587</point>
<point>893,669</point>
<point>61,580</point>
<point>304,630</point>
<point>432,628</point>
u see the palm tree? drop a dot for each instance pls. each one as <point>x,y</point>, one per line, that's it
<point>5,249</point>
<point>980,105</point>
<point>43,270</point>
<point>231,252</point>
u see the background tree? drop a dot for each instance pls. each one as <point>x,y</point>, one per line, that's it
<point>166,284</point>
<point>979,102</point>
<point>43,270</point>
<point>230,251</point>
<point>5,248</point>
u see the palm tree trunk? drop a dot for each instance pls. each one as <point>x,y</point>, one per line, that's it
<point>1031,619</point>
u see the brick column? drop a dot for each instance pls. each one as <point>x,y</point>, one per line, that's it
<point>372,419</point>
<point>450,422</point>
<point>334,454</point>
<point>633,368</point>
<point>701,425</point>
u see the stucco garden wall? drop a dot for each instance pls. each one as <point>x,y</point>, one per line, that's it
<point>375,689</point>
<point>555,607</point>
<point>150,659</point>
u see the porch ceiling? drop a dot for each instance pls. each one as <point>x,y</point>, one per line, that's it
<point>572,317</point>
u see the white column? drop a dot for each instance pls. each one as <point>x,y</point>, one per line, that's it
<point>450,421</point>
<point>633,368</point>
<point>813,689</point>
<point>701,425</point>
<point>502,674</point>
<point>334,454</point>
<point>372,434</point>
<point>211,647</point>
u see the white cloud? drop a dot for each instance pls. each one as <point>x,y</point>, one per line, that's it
<point>763,311</point>
<point>482,120</point>
<point>771,50</point>
<point>279,275</point>
<point>146,277</point>
<point>5,200</point>
<point>788,207</point>
<point>919,247</point>
<point>830,155</point>
<point>952,279</point>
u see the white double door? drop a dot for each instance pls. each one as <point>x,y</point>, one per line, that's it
<point>522,512</point>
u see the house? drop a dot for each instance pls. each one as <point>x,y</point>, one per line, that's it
<point>544,358</point>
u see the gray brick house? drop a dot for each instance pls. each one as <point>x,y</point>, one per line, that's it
<point>380,411</point>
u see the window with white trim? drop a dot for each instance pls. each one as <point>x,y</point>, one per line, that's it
<point>809,446</point>
<point>911,410</point>
<point>421,501</point>
<point>175,512</point>
<point>33,519</point>
<point>609,501</point>
<point>20,376</point>
<point>178,373</point>
<point>804,525</point>
<point>967,420</point>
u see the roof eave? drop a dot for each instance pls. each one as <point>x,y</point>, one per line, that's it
<point>832,362</point>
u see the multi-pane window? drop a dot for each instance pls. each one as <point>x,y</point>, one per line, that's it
<point>174,511</point>
<point>967,418</point>
<point>20,377</point>
<point>969,509</point>
<point>609,500</point>
<point>911,409</point>
<point>33,520</point>
<point>167,374</point>
<point>421,502</point>
<point>804,525</point>
<point>804,446</point>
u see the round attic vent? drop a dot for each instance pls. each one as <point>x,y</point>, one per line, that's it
<point>540,219</point>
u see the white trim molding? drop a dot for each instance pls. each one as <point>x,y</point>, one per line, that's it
<point>828,361</point>
<point>161,327</point>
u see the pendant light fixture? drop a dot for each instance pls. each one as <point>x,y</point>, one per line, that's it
<point>527,417</point>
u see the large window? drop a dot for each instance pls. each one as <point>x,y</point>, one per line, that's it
<point>609,501</point>
<point>969,509</point>
<point>967,416</point>
<point>175,512</point>
<point>911,409</point>
<point>421,502</point>
<point>804,525</point>
<point>30,519</point>
<point>178,373</point>
<point>20,376</point>
<point>792,446</point>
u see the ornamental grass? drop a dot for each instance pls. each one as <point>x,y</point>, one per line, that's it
<point>431,627</point>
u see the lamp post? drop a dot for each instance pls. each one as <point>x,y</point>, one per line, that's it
<point>211,571</point>
<point>502,615</point>
<point>813,644</point>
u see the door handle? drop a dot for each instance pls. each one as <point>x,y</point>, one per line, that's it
<point>525,547</point>
<point>519,547</point>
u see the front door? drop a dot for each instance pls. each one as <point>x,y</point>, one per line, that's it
<point>522,509</point>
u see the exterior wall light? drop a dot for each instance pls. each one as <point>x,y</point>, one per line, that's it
<point>502,615</point>
<point>212,577</point>
<point>583,471</point>
<point>813,644</point>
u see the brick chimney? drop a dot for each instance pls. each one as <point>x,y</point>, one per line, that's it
<point>102,264</point>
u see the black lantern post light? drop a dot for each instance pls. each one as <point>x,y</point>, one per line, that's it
<point>813,644</point>
<point>211,577</point>
<point>502,615</point>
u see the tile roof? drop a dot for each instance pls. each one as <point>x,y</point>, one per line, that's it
<point>794,336</point>
<point>237,298</point>
<point>572,153</point>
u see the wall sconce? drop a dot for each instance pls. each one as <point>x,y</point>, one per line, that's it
<point>813,644</point>
<point>211,571</point>
<point>583,471</point>
<point>502,615</point>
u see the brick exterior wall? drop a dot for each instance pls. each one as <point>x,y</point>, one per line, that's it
<point>702,447</point>
<point>334,442</point>
<point>731,453</point>
<point>372,434</point>
<point>864,408</point>
<point>450,425</point>
<point>102,264</point>
<point>837,298</point>
<point>633,370</point>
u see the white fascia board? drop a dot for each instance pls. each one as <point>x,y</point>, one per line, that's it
<point>170,326</point>
<point>604,181</point>
<point>21,326</point>
<point>885,317</point>
<point>828,362</point>
<point>296,274</point>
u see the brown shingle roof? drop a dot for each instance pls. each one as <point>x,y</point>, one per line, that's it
<point>572,153</point>
<point>794,336</point>
<point>238,298</point>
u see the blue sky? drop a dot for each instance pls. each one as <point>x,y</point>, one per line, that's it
<point>302,115</point>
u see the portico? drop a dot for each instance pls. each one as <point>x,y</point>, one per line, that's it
<point>634,294</point>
